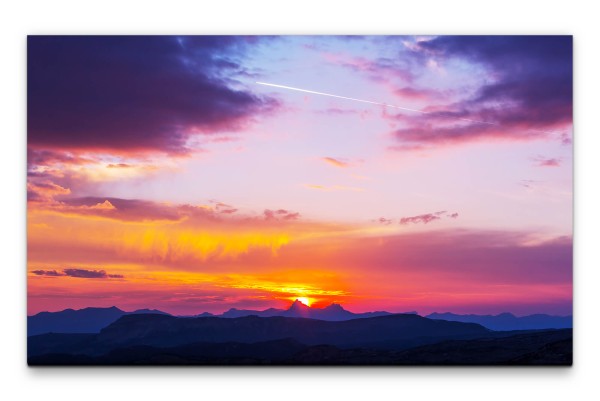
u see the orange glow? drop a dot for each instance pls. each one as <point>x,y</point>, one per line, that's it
<point>192,265</point>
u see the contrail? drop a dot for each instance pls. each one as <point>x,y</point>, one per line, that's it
<point>385,104</point>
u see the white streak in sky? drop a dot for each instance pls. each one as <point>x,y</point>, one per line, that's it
<point>386,105</point>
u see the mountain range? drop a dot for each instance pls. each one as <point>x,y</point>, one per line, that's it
<point>333,312</point>
<point>92,320</point>
<point>87,320</point>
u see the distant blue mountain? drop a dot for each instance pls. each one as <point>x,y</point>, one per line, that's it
<point>147,311</point>
<point>92,320</point>
<point>508,321</point>
<point>87,320</point>
<point>204,314</point>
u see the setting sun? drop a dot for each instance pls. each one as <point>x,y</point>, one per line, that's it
<point>304,300</point>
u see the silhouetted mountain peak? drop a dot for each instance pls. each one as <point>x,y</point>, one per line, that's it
<point>335,308</point>
<point>155,311</point>
<point>506,315</point>
<point>298,305</point>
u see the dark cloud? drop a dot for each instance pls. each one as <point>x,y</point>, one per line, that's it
<point>530,95</point>
<point>422,218</point>
<point>51,273</point>
<point>83,273</point>
<point>135,93</point>
<point>78,273</point>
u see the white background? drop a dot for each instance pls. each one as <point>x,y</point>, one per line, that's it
<point>296,17</point>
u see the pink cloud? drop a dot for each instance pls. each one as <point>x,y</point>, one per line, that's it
<point>422,218</point>
<point>546,162</point>
<point>280,214</point>
<point>336,162</point>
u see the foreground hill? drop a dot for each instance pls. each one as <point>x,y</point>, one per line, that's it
<point>389,340</point>
<point>158,330</point>
<point>386,332</point>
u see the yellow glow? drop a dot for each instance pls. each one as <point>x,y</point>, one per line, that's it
<point>304,300</point>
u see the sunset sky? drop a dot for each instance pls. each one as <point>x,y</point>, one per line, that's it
<point>161,175</point>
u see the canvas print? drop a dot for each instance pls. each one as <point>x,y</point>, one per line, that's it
<point>299,200</point>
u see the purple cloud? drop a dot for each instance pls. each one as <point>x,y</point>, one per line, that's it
<point>280,214</point>
<point>51,273</point>
<point>546,162</point>
<point>422,218</point>
<point>135,93</point>
<point>529,97</point>
<point>78,273</point>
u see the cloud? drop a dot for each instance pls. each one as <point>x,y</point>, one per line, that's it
<point>51,273</point>
<point>136,93</point>
<point>419,219</point>
<point>414,93</point>
<point>126,209</point>
<point>422,218</point>
<point>44,191</point>
<point>384,221</point>
<point>280,214</point>
<point>528,94</point>
<point>527,183</point>
<point>119,165</point>
<point>83,273</point>
<point>546,162</point>
<point>78,273</point>
<point>36,157</point>
<point>337,111</point>
<point>333,188</point>
<point>380,69</point>
<point>336,162</point>
<point>224,208</point>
